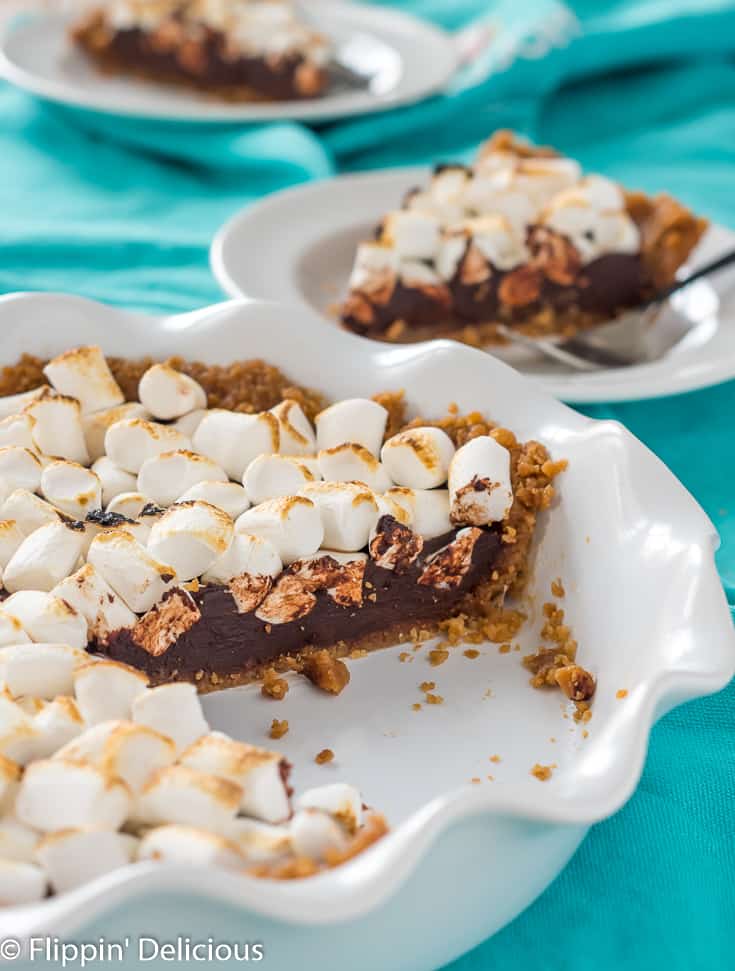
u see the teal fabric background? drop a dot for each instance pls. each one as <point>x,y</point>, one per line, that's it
<point>643,91</point>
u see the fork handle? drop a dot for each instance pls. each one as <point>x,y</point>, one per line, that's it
<point>712,267</point>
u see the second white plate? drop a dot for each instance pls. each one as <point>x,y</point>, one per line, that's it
<point>298,245</point>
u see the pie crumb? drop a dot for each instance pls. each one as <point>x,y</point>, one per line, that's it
<point>621,693</point>
<point>273,686</point>
<point>326,672</point>
<point>437,656</point>
<point>322,758</point>
<point>471,653</point>
<point>495,758</point>
<point>557,588</point>
<point>434,700</point>
<point>416,706</point>
<point>542,772</point>
<point>427,686</point>
<point>278,728</point>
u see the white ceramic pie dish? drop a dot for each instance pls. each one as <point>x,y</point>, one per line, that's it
<point>636,554</point>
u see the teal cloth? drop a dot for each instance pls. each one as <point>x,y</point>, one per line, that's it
<point>644,91</point>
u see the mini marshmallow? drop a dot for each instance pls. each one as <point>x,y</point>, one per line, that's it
<point>427,510</point>
<point>339,799</point>
<point>173,710</point>
<point>21,883</point>
<point>314,833</point>
<point>351,462</point>
<point>89,746</point>
<point>40,670</point>
<point>73,857</point>
<point>297,435</point>
<point>187,845</point>
<point>13,404</point>
<point>114,480</point>
<point>17,430</point>
<point>58,794</point>
<point>274,476</point>
<point>128,504</point>
<point>28,511</point>
<point>10,773</point>
<point>11,631</point>
<point>47,619</point>
<point>418,457</point>
<point>310,462</point>
<point>133,440</point>
<point>413,234</point>
<point>191,536</point>
<point>258,772</point>
<point>356,420</point>
<point>95,425</point>
<point>293,524</point>
<point>95,600</point>
<point>131,752</point>
<point>169,394</point>
<point>71,488</point>
<point>179,794</point>
<point>233,439</point>
<point>58,430</point>
<point>479,483</point>
<point>260,842</point>
<point>83,373</point>
<point>375,268</point>
<point>19,468</point>
<point>18,734</point>
<point>17,842</point>
<point>133,573</point>
<point>57,724</point>
<point>107,689</point>
<point>189,423</point>
<point>11,536</point>
<point>348,511</point>
<point>164,477</point>
<point>228,496</point>
<point>245,554</point>
<point>44,558</point>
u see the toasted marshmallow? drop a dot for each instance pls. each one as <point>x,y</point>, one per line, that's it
<point>418,457</point>
<point>498,194</point>
<point>293,524</point>
<point>426,511</point>
<point>494,236</point>
<point>83,373</point>
<point>416,275</point>
<point>479,483</point>
<point>164,477</point>
<point>175,843</point>
<point>132,571</point>
<point>44,558</point>
<point>245,554</point>
<point>592,215</point>
<point>19,468</point>
<point>11,631</point>
<point>133,440</point>
<point>297,437</point>
<point>95,425</point>
<point>11,536</point>
<point>310,462</point>
<point>260,842</point>
<point>17,430</point>
<point>173,710</point>
<point>57,724</point>
<point>189,423</point>
<point>58,427</point>
<point>233,439</point>
<point>356,420</point>
<point>131,752</point>
<point>453,248</point>
<point>375,269</point>
<point>413,234</point>
<point>179,794</point>
<point>28,511</point>
<point>348,511</point>
<point>339,799</point>
<point>128,504</point>
<point>314,833</point>
<point>351,462</point>
<point>107,689</point>
<point>71,488</point>
<point>168,393</point>
<point>89,746</point>
<point>47,619</point>
<point>73,857</point>
<point>190,536</point>
<point>18,734</point>
<point>228,496</point>
<point>274,476</point>
<point>95,600</point>
<point>114,480</point>
<point>17,842</point>
<point>21,883</point>
<point>57,793</point>
<point>257,771</point>
<point>14,404</point>
<point>40,670</point>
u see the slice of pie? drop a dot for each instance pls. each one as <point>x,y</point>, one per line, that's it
<point>218,525</point>
<point>239,50</point>
<point>521,238</point>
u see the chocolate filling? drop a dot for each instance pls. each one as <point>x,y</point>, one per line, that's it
<point>225,642</point>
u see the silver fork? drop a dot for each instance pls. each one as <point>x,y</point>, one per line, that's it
<point>592,352</point>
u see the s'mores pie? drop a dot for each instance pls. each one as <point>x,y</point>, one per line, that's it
<point>521,238</point>
<point>238,50</point>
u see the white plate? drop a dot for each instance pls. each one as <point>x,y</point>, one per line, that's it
<point>407,58</point>
<point>298,246</point>
<point>625,532</point>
